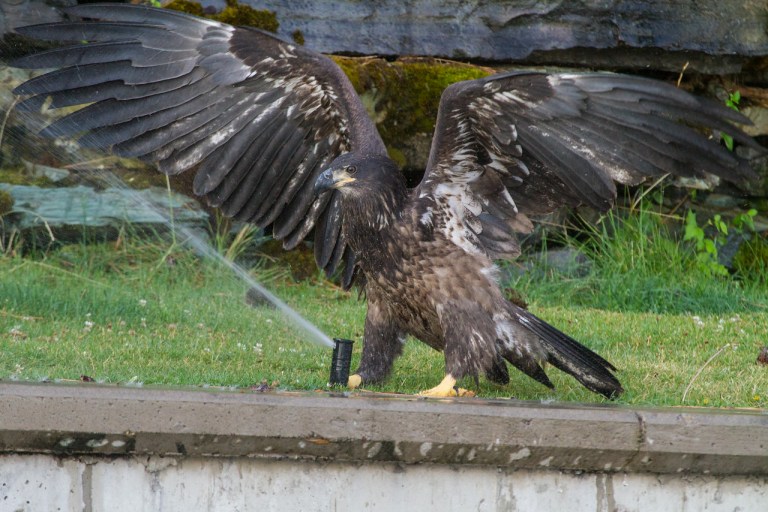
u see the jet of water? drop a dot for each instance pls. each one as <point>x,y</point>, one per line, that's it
<point>203,248</point>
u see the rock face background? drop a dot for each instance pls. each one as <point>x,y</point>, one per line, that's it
<point>716,48</point>
<point>717,36</point>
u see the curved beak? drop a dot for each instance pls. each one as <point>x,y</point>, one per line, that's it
<point>324,182</point>
<point>329,179</point>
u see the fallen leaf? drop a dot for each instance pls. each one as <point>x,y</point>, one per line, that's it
<point>262,387</point>
<point>762,358</point>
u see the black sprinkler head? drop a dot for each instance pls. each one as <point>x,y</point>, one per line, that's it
<point>340,362</point>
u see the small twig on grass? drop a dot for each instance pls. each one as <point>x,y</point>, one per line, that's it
<point>42,219</point>
<point>4,313</point>
<point>687,389</point>
<point>682,72</point>
<point>679,205</point>
<point>5,118</point>
<point>637,200</point>
<point>70,273</point>
<point>170,209</point>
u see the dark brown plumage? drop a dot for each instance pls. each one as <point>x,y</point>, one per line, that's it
<point>278,137</point>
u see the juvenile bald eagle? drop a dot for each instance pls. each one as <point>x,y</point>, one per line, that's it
<point>279,138</point>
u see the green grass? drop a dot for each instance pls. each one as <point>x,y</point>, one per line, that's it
<point>143,313</point>
<point>129,315</point>
<point>640,265</point>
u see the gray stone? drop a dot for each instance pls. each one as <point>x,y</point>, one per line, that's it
<point>712,36</point>
<point>727,252</point>
<point>628,33</point>
<point>566,261</point>
<point>759,164</point>
<point>759,117</point>
<point>52,174</point>
<point>9,79</point>
<point>722,201</point>
<point>63,212</point>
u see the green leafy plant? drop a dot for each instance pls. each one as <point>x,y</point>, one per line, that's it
<point>709,242</point>
<point>732,102</point>
<point>745,221</point>
<point>638,261</point>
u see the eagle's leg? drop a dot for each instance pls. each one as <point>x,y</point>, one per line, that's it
<point>469,346</point>
<point>382,344</point>
<point>447,388</point>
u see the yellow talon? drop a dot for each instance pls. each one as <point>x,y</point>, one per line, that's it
<point>447,388</point>
<point>354,381</point>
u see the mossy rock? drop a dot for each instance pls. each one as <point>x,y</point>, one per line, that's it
<point>6,202</point>
<point>234,14</point>
<point>403,97</point>
<point>298,37</point>
<point>20,176</point>
<point>751,260</point>
<point>186,6</point>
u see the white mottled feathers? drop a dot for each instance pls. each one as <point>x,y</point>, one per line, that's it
<point>529,142</point>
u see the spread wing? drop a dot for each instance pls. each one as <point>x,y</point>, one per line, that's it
<point>257,117</point>
<point>528,142</point>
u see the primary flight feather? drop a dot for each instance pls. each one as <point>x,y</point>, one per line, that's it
<point>278,137</point>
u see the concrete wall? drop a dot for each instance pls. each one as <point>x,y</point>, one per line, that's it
<point>41,483</point>
<point>100,448</point>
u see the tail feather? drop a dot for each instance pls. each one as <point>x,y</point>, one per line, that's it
<point>526,364</point>
<point>570,356</point>
<point>498,372</point>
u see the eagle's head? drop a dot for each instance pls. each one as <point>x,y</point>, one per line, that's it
<point>354,174</point>
<point>372,193</point>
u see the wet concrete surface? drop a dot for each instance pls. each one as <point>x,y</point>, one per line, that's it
<point>114,420</point>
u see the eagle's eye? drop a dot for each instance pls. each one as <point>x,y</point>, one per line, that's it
<point>351,169</point>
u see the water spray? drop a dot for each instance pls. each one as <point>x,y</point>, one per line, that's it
<point>203,248</point>
<point>342,348</point>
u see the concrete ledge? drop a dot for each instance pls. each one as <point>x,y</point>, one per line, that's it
<point>106,420</point>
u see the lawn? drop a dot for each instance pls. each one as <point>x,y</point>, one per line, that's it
<point>151,313</point>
